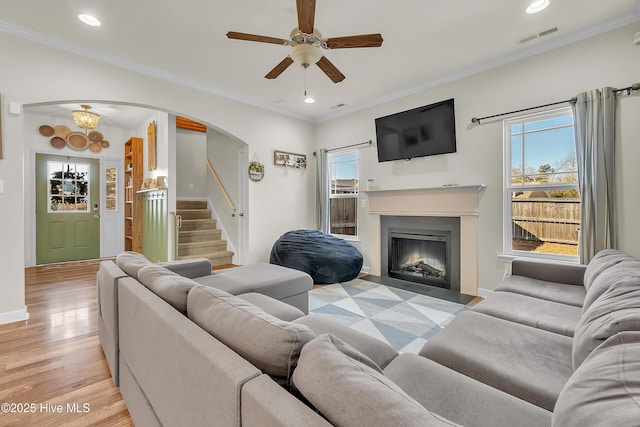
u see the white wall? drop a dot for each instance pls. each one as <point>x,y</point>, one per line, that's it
<point>191,149</point>
<point>606,60</point>
<point>223,151</point>
<point>23,81</point>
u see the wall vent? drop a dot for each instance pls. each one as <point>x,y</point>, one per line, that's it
<point>535,36</point>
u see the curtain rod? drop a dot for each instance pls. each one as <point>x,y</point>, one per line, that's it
<point>367,143</point>
<point>628,89</point>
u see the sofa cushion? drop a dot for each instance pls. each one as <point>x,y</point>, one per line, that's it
<point>132,262</point>
<point>605,389</point>
<point>274,307</point>
<point>525,362</point>
<point>168,285</point>
<point>340,382</point>
<point>616,310</point>
<point>270,344</point>
<point>380,352</point>
<point>551,291</point>
<point>271,280</point>
<point>614,274</point>
<point>601,262</point>
<point>460,398</point>
<point>539,313</point>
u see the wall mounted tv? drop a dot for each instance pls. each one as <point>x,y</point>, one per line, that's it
<point>423,131</point>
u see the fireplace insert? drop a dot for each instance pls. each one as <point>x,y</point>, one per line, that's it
<point>420,256</point>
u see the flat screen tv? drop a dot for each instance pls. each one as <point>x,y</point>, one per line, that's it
<point>423,131</point>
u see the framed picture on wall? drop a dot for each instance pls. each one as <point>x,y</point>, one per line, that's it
<point>292,160</point>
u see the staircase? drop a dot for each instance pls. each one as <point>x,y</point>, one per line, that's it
<point>198,237</point>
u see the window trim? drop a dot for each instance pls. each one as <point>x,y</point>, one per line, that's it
<point>508,188</point>
<point>330,155</point>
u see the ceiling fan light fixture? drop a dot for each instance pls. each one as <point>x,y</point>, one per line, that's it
<point>305,54</point>
<point>537,6</point>
<point>85,119</point>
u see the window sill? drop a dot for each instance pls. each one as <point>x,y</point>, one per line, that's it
<point>507,258</point>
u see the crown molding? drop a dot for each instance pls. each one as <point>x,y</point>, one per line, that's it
<point>44,39</point>
<point>536,49</point>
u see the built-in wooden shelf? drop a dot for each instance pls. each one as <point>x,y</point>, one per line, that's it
<point>133,175</point>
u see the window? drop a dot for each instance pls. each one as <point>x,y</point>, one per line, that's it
<point>343,192</point>
<point>541,196</point>
<point>111,189</point>
<point>68,187</point>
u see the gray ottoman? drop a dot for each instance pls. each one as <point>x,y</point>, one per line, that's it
<point>282,283</point>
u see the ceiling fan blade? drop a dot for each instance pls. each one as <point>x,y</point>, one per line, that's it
<point>306,15</point>
<point>278,69</point>
<point>362,40</point>
<point>256,38</point>
<point>330,70</point>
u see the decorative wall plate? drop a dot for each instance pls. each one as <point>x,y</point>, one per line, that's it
<point>46,130</point>
<point>104,143</point>
<point>95,136</point>
<point>57,142</point>
<point>95,147</point>
<point>62,131</point>
<point>77,140</point>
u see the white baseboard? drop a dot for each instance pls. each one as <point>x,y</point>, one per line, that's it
<point>14,316</point>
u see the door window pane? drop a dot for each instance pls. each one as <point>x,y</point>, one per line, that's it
<point>68,187</point>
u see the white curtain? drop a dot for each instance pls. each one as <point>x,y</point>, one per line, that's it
<point>322,191</point>
<point>595,135</point>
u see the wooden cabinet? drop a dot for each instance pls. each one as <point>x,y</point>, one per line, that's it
<point>133,175</point>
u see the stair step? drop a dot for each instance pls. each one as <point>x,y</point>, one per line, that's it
<point>191,204</point>
<point>198,224</point>
<point>216,258</point>
<point>202,248</point>
<point>199,236</point>
<point>188,214</point>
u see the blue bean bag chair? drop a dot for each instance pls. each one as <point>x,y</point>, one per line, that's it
<point>326,258</point>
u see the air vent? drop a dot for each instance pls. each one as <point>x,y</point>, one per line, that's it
<point>338,106</point>
<point>534,36</point>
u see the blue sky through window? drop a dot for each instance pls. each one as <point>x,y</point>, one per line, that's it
<point>547,141</point>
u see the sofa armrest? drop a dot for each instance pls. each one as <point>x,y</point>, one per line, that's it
<point>191,268</point>
<point>264,403</point>
<point>570,274</point>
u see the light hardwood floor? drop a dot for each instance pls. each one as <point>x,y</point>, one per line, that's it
<point>53,364</point>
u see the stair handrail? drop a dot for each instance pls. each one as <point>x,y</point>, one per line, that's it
<point>177,225</point>
<point>221,186</point>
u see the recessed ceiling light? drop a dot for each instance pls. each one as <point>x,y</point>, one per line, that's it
<point>89,20</point>
<point>537,6</point>
<point>309,100</point>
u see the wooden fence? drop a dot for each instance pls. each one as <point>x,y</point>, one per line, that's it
<point>546,220</point>
<point>343,216</point>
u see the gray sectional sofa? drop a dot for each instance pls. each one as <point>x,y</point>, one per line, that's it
<point>555,344</point>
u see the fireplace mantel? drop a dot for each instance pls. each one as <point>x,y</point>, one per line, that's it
<point>446,201</point>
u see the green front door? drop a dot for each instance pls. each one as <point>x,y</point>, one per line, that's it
<point>67,208</point>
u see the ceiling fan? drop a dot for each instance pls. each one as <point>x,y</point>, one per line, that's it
<point>306,41</point>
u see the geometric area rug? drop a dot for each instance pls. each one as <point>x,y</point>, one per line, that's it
<point>404,320</point>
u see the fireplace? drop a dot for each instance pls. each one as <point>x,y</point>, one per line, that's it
<point>456,202</point>
<point>420,256</point>
<point>422,250</point>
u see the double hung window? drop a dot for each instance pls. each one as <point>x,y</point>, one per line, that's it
<point>541,196</point>
<point>343,192</point>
